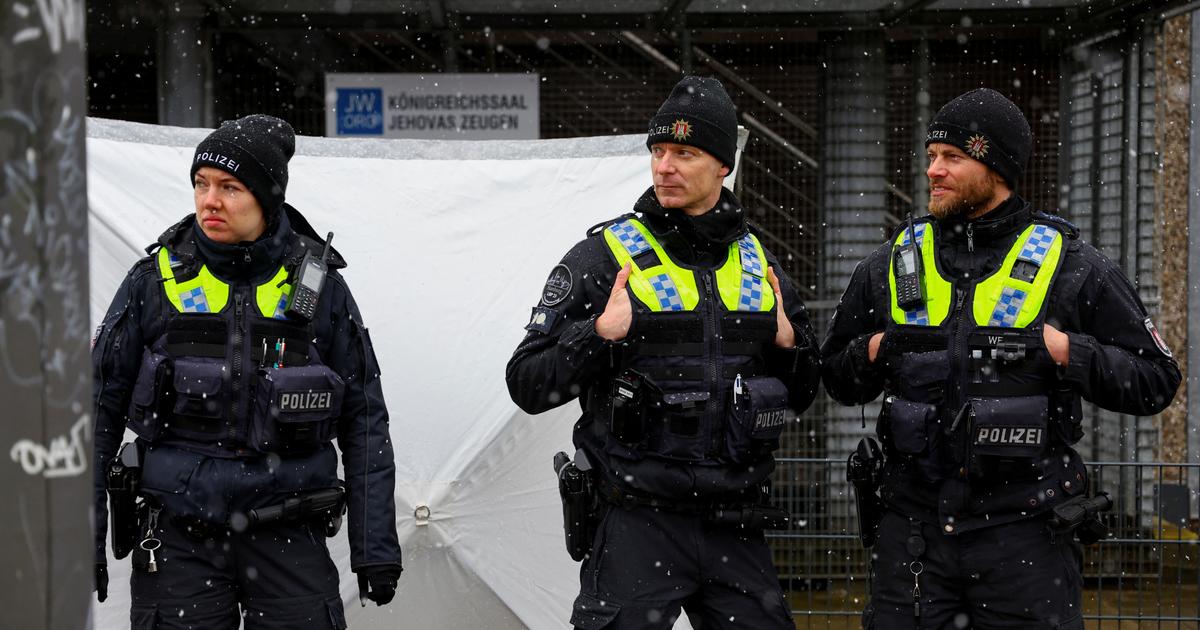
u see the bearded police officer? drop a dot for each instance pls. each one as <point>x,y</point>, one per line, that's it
<point>984,325</point>
<point>689,355</point>
<point>237,355</point>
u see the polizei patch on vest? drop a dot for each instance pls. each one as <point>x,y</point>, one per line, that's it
<point>558,285</point>
<point>768,419</point>
<point>307,400</point>
<point>1009,436</point>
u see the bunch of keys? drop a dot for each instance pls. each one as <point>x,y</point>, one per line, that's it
<point>150,543</point>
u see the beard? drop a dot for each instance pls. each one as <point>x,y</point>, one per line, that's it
<point>967,198</point>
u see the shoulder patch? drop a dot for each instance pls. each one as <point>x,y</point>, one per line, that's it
<point>542,319</point>
<point>558,285</point>
<point>1158,340</point>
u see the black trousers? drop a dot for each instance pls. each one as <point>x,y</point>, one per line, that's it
<point>646,565</point>
<point>1016,575</point>
<point>279,576</point>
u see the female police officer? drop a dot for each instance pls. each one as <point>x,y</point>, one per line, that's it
<point>236,354</point>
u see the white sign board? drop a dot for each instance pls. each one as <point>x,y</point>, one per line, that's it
<point>432,106</point>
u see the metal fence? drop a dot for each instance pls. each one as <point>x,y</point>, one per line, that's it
<point>1146,574</point>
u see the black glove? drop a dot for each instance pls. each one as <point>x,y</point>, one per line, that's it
<point>382,581</point>
<point>101,582</point>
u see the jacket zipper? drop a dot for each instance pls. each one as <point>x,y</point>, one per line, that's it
<point>235,369</point>
<point>714,408</point>
<point>971,237</point>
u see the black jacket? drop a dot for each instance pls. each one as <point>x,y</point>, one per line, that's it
<point>563,358</point>
<point>1115,361</point>
<point>237,480</point>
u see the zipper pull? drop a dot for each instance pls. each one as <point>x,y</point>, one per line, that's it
<point>970,238</point>
<point>737,386</point>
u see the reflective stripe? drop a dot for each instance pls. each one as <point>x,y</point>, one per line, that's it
<point>1007,302</point>
<point>742,280</point>
<point>205,293</point>
<point>664,286</point>
<point>939,292</point>
<point>1000,300</point>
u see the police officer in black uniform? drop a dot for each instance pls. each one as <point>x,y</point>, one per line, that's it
<point>984,325</point>
<point>688,356</point>
<point>237,355</point>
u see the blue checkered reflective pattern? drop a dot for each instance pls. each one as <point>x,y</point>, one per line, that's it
<point>1008,307</point>
<point>919,317</point>
<point>919,228</point>
<point>665,291</point>
<point>751,263</point>
<point>1038,243</point>
<point>194,301</point>
<point>281,307</point>
<point>631,239</point>
<point>751,297</point>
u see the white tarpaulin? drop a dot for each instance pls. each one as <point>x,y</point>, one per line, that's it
<point>448,245</point>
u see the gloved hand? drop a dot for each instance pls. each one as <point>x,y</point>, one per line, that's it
<point>381,580</point>
<point>101,581</point>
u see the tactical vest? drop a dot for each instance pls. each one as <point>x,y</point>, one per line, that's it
<point>231,371</point>
<point>968,374</point>
<point>699,342</point>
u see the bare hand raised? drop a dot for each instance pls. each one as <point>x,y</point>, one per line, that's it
<point>1058,344</point>
<point>613,324</point>
<point>785,334</point>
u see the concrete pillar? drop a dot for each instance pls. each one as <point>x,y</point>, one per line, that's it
<point>854,174</point>
<point>45,371</point>
<point>1174,88</point>
<point>184,67</point>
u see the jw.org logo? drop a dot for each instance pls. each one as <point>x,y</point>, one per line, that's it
<point>360,111</point>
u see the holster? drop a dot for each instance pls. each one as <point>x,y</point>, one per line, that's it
<point>123,481</point>
<point>1081,516</point>
<point>863,470</point>
<point>579,501</point>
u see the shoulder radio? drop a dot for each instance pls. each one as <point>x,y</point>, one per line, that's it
<point>907,265</point>
<point>306,288</point>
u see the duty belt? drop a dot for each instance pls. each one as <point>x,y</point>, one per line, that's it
<point>620,497</point>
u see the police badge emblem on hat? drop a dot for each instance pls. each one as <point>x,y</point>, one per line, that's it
<point>681,129</point>
<point>977,146</point>
<point>558,285</point>
<point>1158,340</point>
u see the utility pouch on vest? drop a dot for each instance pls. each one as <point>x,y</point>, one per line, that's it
<point>676,429</point>
<point>913,432</point>
<point>579,500</point>
<point>201,398</point>
<point>1007,437</point>
<point>152,398</point>
<point>758,412</point>
<point>295,409</point>
<point>923,375</point>
<point>123,480</point>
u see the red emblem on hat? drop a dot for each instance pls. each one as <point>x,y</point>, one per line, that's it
<point>681,129</point>
<point>977,146</point>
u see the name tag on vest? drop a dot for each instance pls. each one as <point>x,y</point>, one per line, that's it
<point>307,400</point>
<point>1009,436</point>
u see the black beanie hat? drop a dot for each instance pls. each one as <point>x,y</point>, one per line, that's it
<point>254,149</point>
<point>989,128</point>
<point>698,113</point>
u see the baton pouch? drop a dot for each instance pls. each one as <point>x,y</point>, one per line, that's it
<point>296,408</point>
<point>152,396</point>
<point>757,415</point>
<point>1008,436</point>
